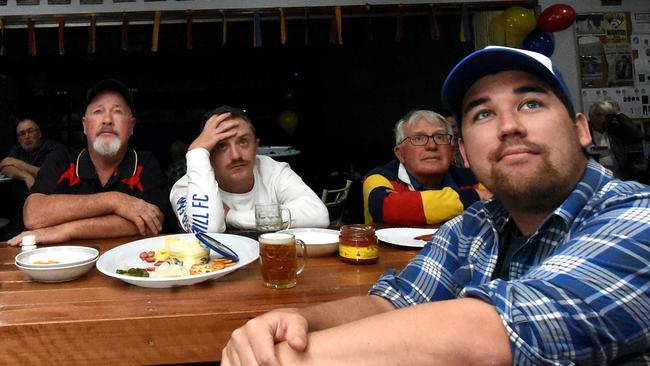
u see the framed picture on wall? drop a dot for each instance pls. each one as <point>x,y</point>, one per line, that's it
<point>28,2</point>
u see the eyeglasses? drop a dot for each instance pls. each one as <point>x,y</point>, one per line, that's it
<point>30,131</point>
<point>438,139</point>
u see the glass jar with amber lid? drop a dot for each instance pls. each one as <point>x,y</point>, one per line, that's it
<point>358,244</point>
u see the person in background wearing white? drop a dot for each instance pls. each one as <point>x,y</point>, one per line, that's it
<point>225,179</point>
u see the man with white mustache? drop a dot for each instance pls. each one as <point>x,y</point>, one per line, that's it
<point>105,190</point>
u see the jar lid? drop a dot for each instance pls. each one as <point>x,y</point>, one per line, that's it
<point>357,230</point>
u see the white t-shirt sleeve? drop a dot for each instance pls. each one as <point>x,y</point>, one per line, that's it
<point>195,197</point>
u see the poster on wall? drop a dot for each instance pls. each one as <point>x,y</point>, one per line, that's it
<point>641,54</point>
<point>641,22</point>
<point>593,63</point>
<point>616,27</point>
<point>593,24</point>
<point>620,66</point>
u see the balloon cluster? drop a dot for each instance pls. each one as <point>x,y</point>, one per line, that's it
<point>518,27</point>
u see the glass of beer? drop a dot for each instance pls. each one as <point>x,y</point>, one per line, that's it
<point>279,259</point>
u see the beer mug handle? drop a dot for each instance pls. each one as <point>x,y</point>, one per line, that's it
<point>288,222</point>
<point>303,255</point>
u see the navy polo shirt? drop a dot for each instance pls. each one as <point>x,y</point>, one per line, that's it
<point>138,175</point>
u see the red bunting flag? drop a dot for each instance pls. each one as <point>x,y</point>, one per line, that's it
<point>399,26</point>
<point>61,37</point>
<point>283,28</point>
<point>31,38</point>
<point>2,37</point>
<point>435,32</point>
<point>188,31</point>
<point>336,27</point>
<point>125,32</point>
<point>92,39</point>
<point>156,31</point>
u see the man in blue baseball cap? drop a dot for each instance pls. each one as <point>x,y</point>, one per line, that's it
<point>553,270</point>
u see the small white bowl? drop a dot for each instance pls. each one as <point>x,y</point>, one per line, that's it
<point>318,242</point>
<point>65,256</point>
<point>58,274</point>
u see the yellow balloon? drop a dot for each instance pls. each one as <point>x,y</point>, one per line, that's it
<point>519,21</point>
<point>497,30</point>
<point>289,122</point>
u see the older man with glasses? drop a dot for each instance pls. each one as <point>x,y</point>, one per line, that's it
<point>421,186</point>
<point>25,158</point>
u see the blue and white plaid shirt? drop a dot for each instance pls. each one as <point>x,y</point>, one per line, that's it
<point>578,289</point>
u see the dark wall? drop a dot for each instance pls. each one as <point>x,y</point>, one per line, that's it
<point>347,97</point>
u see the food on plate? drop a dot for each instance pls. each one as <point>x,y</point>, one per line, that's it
<point>46,262</point>
<point>425,237</point>
<point>179,257</point>
<point>214,265</point>
<point>186,251</point>
<point>135,272</point>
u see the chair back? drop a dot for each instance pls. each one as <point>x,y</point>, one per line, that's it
<point>334,200</point>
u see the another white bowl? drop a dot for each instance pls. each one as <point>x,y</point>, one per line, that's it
<point>318,242</point>
<point>64,256</point>
<point>58,274</point>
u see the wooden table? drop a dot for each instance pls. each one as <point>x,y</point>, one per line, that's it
<point>101,320</point>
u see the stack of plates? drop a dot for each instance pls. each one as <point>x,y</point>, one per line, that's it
<point>57,264</point>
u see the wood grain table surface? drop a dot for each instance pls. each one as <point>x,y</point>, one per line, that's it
<point>99,320</point>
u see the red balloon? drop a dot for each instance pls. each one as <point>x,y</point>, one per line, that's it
<point>556,18</point>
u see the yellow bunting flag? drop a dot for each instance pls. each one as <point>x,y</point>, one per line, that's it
<point>92,39</point>
<point>339,24</point>
<point>31,38</point>
<point>283,27</point>
<point>61,37</point>
<point>156,31</point>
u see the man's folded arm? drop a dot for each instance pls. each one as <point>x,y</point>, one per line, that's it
<point>42,210</point>
<point>453,332</point>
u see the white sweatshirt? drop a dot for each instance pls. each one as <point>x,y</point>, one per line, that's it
<point>198,200</point>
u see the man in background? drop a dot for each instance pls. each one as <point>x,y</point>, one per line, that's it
<point>225,179</point>
<point>613,133</point>
<point>22,164</point>
<point>26,157</point>
<point>421,186</point>
<point>105,190</point>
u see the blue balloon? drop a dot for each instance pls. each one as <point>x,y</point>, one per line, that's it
<point>540,42</point>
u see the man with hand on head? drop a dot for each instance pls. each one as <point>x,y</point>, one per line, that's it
<point>107,189</point>
<point>421,186</point>
<point>225,179</point>
<point>25,158</point>
<point>553,270</point>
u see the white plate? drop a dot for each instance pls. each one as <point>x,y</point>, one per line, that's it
<point>127,256</point>
<point>66,255</point>
<point>319,242</point>
<point>264,150</point>
<point>58,274</point>
<point>404,236</point>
